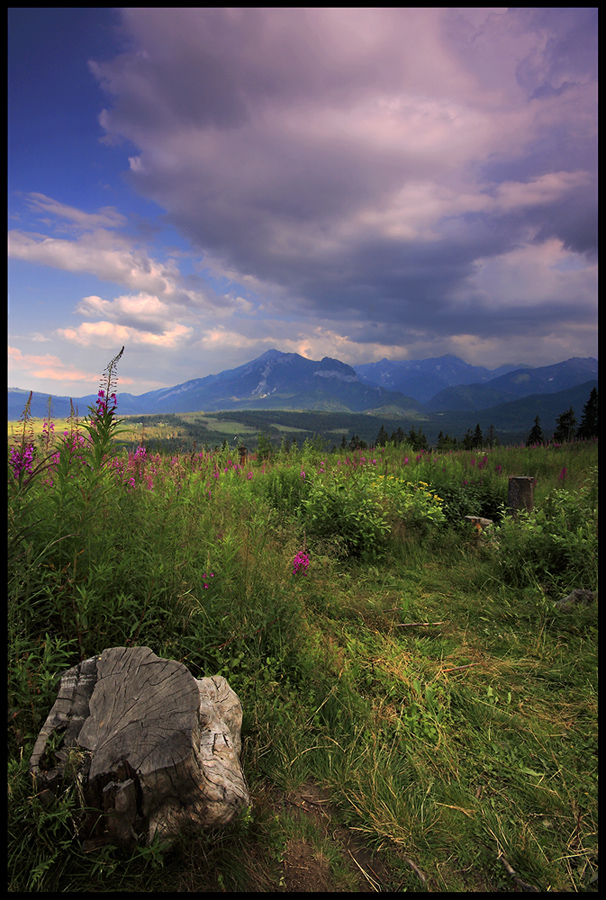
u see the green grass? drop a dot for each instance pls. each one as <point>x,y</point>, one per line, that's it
<point>458,749</point>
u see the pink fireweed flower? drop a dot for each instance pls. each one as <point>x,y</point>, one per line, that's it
<point>300,563</point>
<point>205,578</point>
<point>22,461</point>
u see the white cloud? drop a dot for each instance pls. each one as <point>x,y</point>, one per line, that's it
<point>538,275</point>
<point>108,217</point>
<point>108,334</point>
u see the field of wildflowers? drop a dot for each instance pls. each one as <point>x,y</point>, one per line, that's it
<point>453,740</point>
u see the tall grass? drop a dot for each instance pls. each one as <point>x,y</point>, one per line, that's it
<point>418,671</point>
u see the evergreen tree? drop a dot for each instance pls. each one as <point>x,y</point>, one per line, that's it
<point>478,438</point>
<point>264,448</point>
<point>468,440</point>
<point>445,442</point>
<point>417,439</point>
<point>491,439</point>
<point>382,437</point>
<point>356,443</point>
<point>413,438</point>
<point>536,435</point>
<point>589,420</point>
<point>566,425</point>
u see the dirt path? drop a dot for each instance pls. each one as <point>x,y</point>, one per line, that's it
<point>327,856</point>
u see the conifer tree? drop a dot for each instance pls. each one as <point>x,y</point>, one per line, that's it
<point>382,437</point>
<point>566,424</point>
<point>535,435</point>
<point>491,439</point>
<point>468,440</point>
<point>589,420</point>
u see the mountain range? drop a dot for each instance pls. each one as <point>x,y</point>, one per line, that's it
<point>417,389</point>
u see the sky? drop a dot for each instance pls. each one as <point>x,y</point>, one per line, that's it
<point>200,185</point>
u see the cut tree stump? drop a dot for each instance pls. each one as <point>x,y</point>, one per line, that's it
<point>152,748</point>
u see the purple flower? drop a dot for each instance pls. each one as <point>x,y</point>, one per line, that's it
<point>205,578</point>
<point>300,563</point>
<point>22,461</point>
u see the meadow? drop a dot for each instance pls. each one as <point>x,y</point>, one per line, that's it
<point>419,714</point>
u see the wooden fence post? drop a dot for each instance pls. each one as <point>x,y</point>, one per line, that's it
<point>520,494</point>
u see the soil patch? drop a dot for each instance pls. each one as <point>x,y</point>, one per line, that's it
<point>333,858</point>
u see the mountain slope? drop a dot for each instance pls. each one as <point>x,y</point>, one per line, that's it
<point>423,378</point>
<point>288,381</point>
<point>274,380</point>
<point>513,420</point>
<point>515,385</point>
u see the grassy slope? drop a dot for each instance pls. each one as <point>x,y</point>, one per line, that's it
<point>455,748</point>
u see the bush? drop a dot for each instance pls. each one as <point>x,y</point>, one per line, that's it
<point>556,544</point>
<point>351,515</point>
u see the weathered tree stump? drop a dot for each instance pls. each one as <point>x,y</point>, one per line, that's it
<point>520,494</point>
<point>577,597</point>
<point>153,749</point>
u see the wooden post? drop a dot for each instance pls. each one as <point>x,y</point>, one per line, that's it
<point>520,494</point>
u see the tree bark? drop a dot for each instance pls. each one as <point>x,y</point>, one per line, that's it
<point>154,749</point>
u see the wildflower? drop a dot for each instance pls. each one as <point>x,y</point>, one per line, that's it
<point>563,473</point>
<point>300,563</point>
<point>205,578</point>
<point>22,461</point>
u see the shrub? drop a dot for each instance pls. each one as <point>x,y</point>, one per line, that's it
<point>556,544</point>
<point>414,504</point>
<point>349,513</point>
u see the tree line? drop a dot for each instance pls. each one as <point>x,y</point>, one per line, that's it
<point>566,424</point>
<point>567,429</point>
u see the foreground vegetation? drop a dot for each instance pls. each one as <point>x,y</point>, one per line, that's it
<point>395,664</point>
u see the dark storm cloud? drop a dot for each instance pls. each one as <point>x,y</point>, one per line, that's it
<point>395,171</point>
